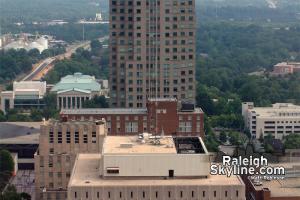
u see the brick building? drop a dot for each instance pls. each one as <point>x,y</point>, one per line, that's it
<point>163,116</point>
<point>285,68</point>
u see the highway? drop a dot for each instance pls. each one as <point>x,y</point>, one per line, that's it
<point>44,66</point>
<point>41,66</point>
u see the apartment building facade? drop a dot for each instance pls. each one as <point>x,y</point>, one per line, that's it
<point>59,143</point>
<point>161,116</point>
<point>152,51</point>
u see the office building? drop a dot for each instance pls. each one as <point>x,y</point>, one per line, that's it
<point>73,90</point>
<point>152,51</point>
<point>147,167</point>
<point>59,143</point>
<point>161,116</point>
<point>25,95</point>
<point>279,120</point>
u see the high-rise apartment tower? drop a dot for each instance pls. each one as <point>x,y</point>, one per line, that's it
<point>152,44</point>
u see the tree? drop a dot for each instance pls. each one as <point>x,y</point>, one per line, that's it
<point>36,115</point>
<point>10,194</point>
<point>25,196</point>
<point>223,137</point>
<point>2,116</point>
<point>6,167</point>
<point>6,161</point>
<point>292,141</point>
<point>235,138</point>
<point>96,102</point>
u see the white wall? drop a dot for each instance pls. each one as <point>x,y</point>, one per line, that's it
<point>158,164</point>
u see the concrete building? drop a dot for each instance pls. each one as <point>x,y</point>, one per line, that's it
<point>147,167</point>
<point>285,189</point>
<point>59,143</point>
<point>73,90</point>
<point>152,48</point>
<point>279,120</point>
<point>285,68</point>
<point>162,116</point>
<point>25,95</point>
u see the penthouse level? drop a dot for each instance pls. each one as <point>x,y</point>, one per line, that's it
<point>163,116</point>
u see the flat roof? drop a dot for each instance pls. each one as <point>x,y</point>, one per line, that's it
<point>288,187</point>
<point>16,129</point>
<point>82,177</point>
<point>24,139</point>
<point>278,110</point>
<point>112,145</point>
<point>104,111</point>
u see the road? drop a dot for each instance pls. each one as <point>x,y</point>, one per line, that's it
<point>42,68</point>
<point>38,69</point>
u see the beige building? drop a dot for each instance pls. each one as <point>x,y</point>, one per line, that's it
<point>279,120</point>
<point>24,96</point>
<point>149,167</point>
<point>59,143</point>
<point>152,48</point>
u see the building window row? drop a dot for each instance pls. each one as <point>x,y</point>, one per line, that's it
<point>68,137</point>
<point>158,194</point>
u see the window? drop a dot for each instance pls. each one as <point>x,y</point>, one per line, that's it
<point>185,126</point>
<point>94,137</point>
<point>51,137</point>
<point>215,193</point>
<point>76,137</point>
<point>85,138</point>
<point>237,193</point>
<point>112,170</point>
<point>131,127</point>
<point>68,137</point>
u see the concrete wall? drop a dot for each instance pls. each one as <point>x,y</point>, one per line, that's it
<point>159,192</point>
<point>157,164</point>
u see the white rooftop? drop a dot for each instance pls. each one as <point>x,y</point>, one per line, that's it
<point>278,110</point>
<point>132,145</point>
